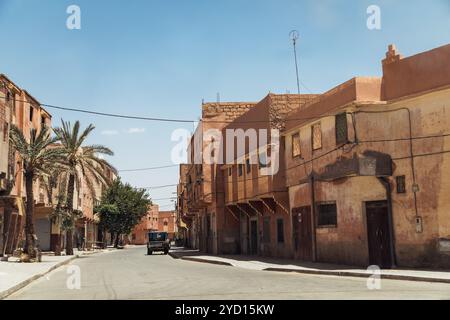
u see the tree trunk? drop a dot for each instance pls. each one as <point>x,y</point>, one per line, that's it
<point>69,204</point>
<point>6,225</point>
<point>116,243</point>
<point>112,238</point>
<point>30,242</point>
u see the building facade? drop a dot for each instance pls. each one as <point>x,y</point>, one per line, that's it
<point>19,108</point>
<point>148,223</point>
<point>362,176</point>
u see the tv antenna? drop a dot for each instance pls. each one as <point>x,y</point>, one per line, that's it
<point>294,35</point>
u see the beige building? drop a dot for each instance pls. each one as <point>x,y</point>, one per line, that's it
<point>363,179</point>
<point>367,170</point>
<point>19,108</point>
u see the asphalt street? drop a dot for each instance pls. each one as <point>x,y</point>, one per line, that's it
<point>131,274</point>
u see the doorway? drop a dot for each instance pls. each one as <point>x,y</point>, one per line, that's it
<point>253,237</point>
<point>43,231</point>
<point>378,235</point>
<point>302,227</point>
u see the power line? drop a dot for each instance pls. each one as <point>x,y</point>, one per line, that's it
<point>151,168</point>
<point>161,187</point>
<point>133,117</point>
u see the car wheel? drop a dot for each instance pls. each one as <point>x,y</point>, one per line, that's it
<point>149,252</point>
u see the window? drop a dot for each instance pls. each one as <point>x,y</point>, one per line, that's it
<point>327,215</point>
<point>341,128</point>
<point>31,113</point>
<point>401,184</point>
<point>296,152</point>
<point>248,166</point>
<point>266,230</point>
<point>5,131</point>
<point>43,122</point>
<point>240,168</point>
<point>280,231</point>
<point>230,171</point>
<point>263,160</point>
<point>316,137</point>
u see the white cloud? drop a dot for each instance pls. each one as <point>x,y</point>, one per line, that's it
<point>110,132</point>
<point>136,130</point>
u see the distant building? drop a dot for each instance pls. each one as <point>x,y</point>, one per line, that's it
<point>167,222</point>
<point>149,222</point>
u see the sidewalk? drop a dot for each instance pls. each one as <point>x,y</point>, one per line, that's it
<point>285,265</point>
<point>15,275</point>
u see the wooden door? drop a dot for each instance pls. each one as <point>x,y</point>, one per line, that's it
<point>253,237</point>
<point>378,234</point>
<point>301,222</point>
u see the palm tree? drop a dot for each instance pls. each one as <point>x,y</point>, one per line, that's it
<point>36,156</point>
<point>83,162</point>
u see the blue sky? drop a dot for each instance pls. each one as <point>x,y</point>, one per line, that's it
<point>161,58</point>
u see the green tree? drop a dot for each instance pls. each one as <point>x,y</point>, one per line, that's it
<point>36,156</point>
<point>84,164</point>
<point>109,220</point>
<point>122,207</point>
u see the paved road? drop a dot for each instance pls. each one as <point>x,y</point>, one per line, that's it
<point>131,274</point>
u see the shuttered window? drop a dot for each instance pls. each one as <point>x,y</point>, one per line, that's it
<point>327,215</point>
<point>316,137</point>
<point>341,129</point>
<point>296,151</point>
<point>240,169</point>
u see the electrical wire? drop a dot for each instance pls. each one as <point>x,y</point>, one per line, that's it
<point>157,119</point>
<point>148,169</point>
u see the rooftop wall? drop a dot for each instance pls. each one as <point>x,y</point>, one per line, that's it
<point>422,72</point>
<point>356,89</point>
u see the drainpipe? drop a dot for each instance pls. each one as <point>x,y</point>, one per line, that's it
<point>313,218</point>
<point>385,182</point>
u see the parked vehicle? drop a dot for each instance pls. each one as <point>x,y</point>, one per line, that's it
<point>158,241</point>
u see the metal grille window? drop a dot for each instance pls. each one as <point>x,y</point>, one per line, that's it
<point>327,215</point>
<point>341,129</point>
<point>316,137</point>
<point>248,166</point>
<point>280,231</point>
<point>296,151</point>
<point>401,184</point>
<point>240,168</point>
<point>266,230</point>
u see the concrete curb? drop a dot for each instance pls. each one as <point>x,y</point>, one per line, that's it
<point>4,294</point>
<point>325,272</point>
<point>222,263</point>
<point>362,275</point>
